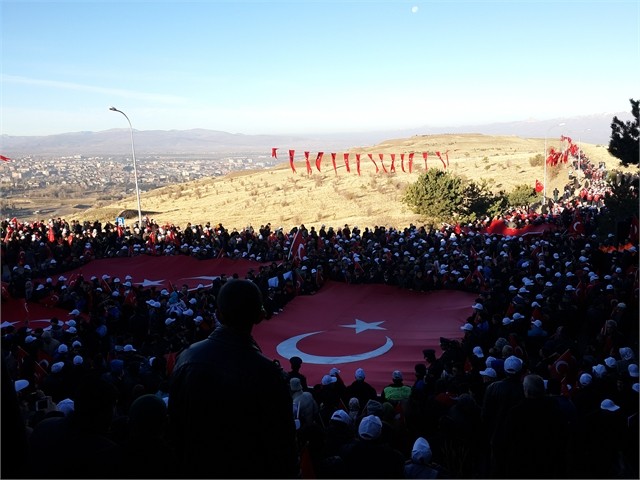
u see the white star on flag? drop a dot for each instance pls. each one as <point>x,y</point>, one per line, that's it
<point>151,283</point>
<point>362,326</point>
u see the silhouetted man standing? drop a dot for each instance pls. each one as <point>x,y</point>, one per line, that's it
<point>229,405</point>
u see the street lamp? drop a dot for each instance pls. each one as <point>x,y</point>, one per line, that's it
<point>544,181</point>
<point>135,168</point>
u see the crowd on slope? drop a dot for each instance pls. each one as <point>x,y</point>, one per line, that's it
<point>542,382</point>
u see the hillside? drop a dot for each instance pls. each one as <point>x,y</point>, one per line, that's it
<point>286,199</point>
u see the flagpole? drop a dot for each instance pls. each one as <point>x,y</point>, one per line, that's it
<point>544,181</point>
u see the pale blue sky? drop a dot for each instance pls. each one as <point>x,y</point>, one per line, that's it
<point>261,67</point>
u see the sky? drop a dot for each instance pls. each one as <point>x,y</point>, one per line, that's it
<point>298,66</point>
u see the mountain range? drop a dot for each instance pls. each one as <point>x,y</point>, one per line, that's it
<point>594,129</point>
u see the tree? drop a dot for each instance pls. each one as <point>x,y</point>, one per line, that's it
<point>443,197</point>
<point>620,205</point>
<point>625,137</point>
<point>436,194</point>
<point>522,196</point>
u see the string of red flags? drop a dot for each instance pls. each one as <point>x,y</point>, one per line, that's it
<point>346,157</point>
<point>569,149</point>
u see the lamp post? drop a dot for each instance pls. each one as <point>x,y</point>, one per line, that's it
<point>544,181</point>
<point>135,167</point>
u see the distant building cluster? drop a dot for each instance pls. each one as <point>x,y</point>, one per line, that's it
<point>27,176</point>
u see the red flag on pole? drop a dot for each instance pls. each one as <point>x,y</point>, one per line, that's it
<point>346,162</point>
<point>370,155</point>
<point>539,186</point>
<point>333,160</point>
<point>393,162</point>
<point>306,159</point>
<point>402,161</point>
<point>381,155</point>
<point>291,154</point>
<point>319,160</point>
<point>411,162</point>
<point>298,248</point>
<point>5,159</point>
<point>273,153</point>
<point>440,157</point>
<point>358,162</point>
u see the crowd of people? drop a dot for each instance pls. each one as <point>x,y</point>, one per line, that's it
<point>542,381</point>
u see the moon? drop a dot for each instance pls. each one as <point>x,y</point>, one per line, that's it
<point>289,348</point>
<point>414,9</point>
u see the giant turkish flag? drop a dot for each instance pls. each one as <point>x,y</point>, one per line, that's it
<point>379,328</point>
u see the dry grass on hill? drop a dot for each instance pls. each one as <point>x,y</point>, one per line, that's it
<point>286,199</point>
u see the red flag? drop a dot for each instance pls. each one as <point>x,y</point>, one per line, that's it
<point>370,155</point>
<point>5,159</point>
<point>425,155</point>
<point>358,163</point>
<point>51,235</point>
<point>291,154</point>
<point>564,366</point>
<point>577,226</point>
<point>402,161</point>
<point>273,153</point>
<point>393,162</point>
<point>298,248</point>
<point>411,162</point>
<point>333,160</point>
<point>539,186</point>
<point>306,159</point>
<point>319,160</point>
<point>440,157</point>
<point>346,162</point>
<point>381,156</point>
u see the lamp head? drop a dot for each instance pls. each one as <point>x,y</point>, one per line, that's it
<point>113,109</point>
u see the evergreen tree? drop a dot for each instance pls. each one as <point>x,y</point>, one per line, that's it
<point>625,137</point>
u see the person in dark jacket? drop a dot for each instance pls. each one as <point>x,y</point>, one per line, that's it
<point>536,435</point>
<point>499,398</point>
<point>229,405</point>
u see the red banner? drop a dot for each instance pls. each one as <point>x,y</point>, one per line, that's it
<point>319,160</point>
<point>346,162</point>
<point>291,154</point>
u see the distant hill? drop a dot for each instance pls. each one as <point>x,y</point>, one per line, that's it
<point>594,129</point>
<point>284,198</point>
